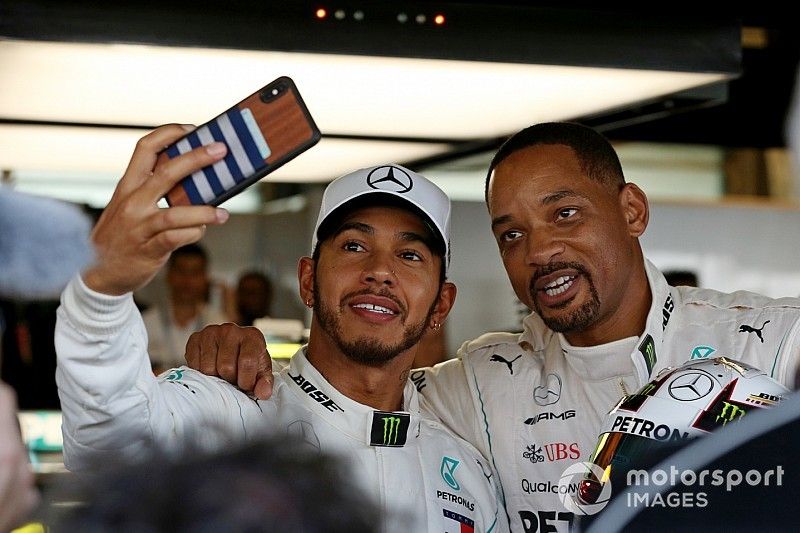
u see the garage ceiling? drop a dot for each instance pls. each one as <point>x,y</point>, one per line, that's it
<point>382,78</point>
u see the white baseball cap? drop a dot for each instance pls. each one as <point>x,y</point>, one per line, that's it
<point>393,180</point>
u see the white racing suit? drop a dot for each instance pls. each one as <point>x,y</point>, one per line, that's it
<point>533,404</point>
<point>422,477</point>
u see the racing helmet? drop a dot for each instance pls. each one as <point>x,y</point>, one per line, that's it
<point>680,404</point>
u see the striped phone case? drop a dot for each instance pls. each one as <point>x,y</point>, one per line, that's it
<point>262,132</point>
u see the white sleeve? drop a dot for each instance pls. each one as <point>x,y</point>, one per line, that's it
<point>114,407</point>
<point>447,390</point>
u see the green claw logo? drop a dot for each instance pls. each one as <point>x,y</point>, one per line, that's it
<point>730,413</point>
<point>391,425</point>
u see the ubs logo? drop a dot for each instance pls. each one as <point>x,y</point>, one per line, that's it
<point>389,178</point>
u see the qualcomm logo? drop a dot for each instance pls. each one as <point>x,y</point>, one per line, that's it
<point>448,470</point>
<point>702,352</point>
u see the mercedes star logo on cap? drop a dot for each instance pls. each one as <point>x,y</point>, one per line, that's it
<point>691,386</point>
<point>389,178</point>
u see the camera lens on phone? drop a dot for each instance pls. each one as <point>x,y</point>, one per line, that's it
<point>273,92</point>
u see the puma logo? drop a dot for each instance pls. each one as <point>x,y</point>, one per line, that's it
<point>744,328</point>
<point>508,363</point>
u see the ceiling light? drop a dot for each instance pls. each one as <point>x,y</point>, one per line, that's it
<point>354,95</point>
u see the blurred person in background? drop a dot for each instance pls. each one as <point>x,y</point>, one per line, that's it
<point>33,231</point>
<point>186,310</point>
<point>253,297</point>
<point>18,494</point>
<point>676,278</point>
<point>268,486</point>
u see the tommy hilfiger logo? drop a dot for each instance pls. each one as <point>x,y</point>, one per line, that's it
<point>744,328</point>
<point>501,359</point>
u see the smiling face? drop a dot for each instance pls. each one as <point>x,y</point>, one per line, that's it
<point>375,286</point>
<point>569,243</point>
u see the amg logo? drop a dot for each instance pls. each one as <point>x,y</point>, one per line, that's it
<point>566,415</point>
<point>315,393</point>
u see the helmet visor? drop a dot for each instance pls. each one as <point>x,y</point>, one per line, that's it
<point>619,453</point>
<point>616,453</point>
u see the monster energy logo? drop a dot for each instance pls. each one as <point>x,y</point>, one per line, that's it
<point>730,413</point>
<point>635,401</point>
<point>648,351</point>
<point>390,426</point>
<point>389,429</point>
<point>646,390</point>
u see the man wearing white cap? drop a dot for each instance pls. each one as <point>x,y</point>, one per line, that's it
<point>376,282</point>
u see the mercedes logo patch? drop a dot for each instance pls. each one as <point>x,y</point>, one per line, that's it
<point>691,386</point>
<point>548,392</point>
<point>389,178</point>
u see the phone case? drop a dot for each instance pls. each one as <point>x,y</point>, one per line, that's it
<point>264,131</point>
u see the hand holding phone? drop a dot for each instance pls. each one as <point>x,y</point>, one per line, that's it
<point>264,131</point>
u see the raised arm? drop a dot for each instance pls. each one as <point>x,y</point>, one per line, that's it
<point>112,404</point>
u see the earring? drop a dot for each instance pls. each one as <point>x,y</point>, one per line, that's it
<point>436,326</point>
<point>308,303</point>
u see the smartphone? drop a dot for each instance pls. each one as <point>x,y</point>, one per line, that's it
<point>262,132</point>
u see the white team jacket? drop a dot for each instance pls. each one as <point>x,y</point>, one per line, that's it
<point>535,408</point>
<point>421,475</point>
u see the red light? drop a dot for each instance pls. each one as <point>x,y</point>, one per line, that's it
<point>321,13</point>
<point>438,19</point>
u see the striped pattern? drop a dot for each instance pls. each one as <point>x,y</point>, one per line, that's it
<point>241,161</point>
